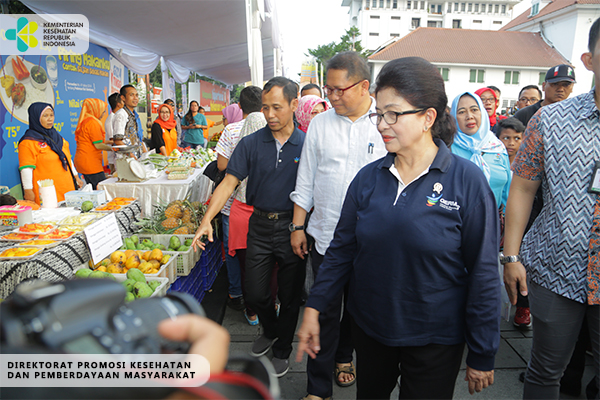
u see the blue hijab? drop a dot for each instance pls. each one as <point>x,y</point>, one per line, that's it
<point>40,134</point>
<point>483,141</point>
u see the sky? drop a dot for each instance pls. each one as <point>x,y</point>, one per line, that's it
<point>306,24</point>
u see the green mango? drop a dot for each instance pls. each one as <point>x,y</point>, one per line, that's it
<point>129,244</point>
<point>129,297</point>
<point>138,246</point>
<point>183,248</point>
<point>135,239</point>
<point>174,242</point>
<point>141,290</point>
<point>108,276</point>
<point>136,275</point>
<point>147,243</point>
<point>83,273</point>
<point>188,242</point>
<point>162,247</point>
<point>153,285</point>
<point>96,274</point>
<point>86,206</point>
<point>128,284</point>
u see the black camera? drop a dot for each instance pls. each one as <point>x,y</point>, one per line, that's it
<point>90,316</point>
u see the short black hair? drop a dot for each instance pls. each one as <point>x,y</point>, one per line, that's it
<point>594,33</point>
<point>113,100</point>
<point>169,102</point>
<point>495,89</point>
<point>311,86</point>
<point>531,87</point>
<point>290,88</point>
<point>250,99</point>
<point>351,62</point>
<point>510,123</point>
<point>123,90</point>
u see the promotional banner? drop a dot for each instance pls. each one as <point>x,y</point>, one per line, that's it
<point>213,97</point>
<point>156,99</point>
<point>117,75</point>
<point>63,81</point>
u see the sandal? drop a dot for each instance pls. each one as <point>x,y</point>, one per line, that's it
<point>251,322</point>
<point>348,369</point>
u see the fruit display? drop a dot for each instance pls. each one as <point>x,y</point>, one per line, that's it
<point>179,217</point>
<point>43,243</point>
<point>86,206</point>
<point>81,219</point>
<point>115,204</point>
<point>176,245</point>
<point>59,234</point>
<point>17,237</point>
<point>108,207</point>
<point>19,252</point>
<point>71,228</point>
<point>148,261</point>
<point>36,228</point>
<point>136,284</point>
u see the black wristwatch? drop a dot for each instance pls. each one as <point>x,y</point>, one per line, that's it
<point>294,228</point>
<point>509,259</point>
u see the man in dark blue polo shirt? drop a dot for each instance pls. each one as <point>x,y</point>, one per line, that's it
<point>269,159</point>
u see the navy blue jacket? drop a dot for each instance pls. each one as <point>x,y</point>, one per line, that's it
<point>423,270</point>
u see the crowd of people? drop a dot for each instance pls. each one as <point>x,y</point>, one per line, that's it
<point>403,202</point>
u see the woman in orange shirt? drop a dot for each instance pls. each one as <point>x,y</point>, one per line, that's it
<point>44,154</point>
<point>89,136</point>
<point>163,136</point>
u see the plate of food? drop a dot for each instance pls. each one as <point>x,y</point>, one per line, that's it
<point>59,234</point>
<point>19,88</point>
<point>19,253</point>
<point>40,243</point>
<point>17,237</point>
<point>36,229</point>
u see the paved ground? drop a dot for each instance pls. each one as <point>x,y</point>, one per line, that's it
<point>510,362</point>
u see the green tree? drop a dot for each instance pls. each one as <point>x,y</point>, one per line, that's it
<point>348,42</point>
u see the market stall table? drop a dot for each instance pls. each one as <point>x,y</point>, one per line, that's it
<point>161,189</point>
<point>60,262</point>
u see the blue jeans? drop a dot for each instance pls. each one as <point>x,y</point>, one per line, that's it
<point>233,265</point>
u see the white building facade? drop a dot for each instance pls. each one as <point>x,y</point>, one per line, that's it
<point>383,21</point>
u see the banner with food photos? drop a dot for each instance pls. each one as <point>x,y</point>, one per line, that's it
<point>63,80</point>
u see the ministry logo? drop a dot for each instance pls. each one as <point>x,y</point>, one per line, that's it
<point>24,34</point>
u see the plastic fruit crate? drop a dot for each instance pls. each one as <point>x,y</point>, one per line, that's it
<point>160,291</point>
<point>166,271</point>
<point>186,260</point>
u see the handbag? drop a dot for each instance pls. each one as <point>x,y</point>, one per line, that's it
<point>213,173</point>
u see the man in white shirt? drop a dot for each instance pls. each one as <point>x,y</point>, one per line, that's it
<point>339,142</point>
<point>115,105</point>
<point>127,121</point>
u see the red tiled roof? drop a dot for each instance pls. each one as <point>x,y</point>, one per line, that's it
<point>466,46</point>
<point>550,8</point>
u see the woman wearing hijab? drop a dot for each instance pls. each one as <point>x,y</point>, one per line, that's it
<point>163,136</point>
<point>490,102</point>
<point>44,154</point>
<point>89,136</point>
<point>309,106</point>
<point>474,141</point>
<point>193,124</point>
<point>232,113</point>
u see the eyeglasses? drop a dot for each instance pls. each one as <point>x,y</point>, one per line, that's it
<point>391,117</point>
<point>527,101</point>
<point>488,100</point>
<point>338,92</point>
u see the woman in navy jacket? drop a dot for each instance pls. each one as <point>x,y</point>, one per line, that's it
<point>417,240</point>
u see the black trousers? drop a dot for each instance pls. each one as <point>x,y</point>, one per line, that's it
<point>428,372</point>
<point>335,339</point>
<point>94,179</point>
<point>268,243</point>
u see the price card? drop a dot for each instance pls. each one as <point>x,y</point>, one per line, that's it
<point>103,237</point>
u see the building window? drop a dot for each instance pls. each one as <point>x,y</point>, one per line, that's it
<point>511,77</point>
<point>445,72</point>
<point>497,22</point>
<point>395,4</point>
<point>477,75</point>
<point>439,9</point>
<point>396,17</point>
<point>542,78</point>
<point>422,5</point>
<point>374,16</point>
<point>367,4</point>
<point>449,8</point>
<point>394,35</point>
<point>463,6</point>
<point>470,7</point>
<point>497,8</point>
<point>388,3</point>
<point>490,8</point>
<point>380,3</point>
<point>415,23</point>
<point>477,21</point>
<point>455,7</point>
<point>503,8</point>
<point>373,34</point>
<point>535,9</point>
<point>456,24</point>
<point>431,24</point>
<point>408,4</point>
<point>476,7</point>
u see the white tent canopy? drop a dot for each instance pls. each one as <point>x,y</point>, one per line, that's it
<point>210,37</point>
